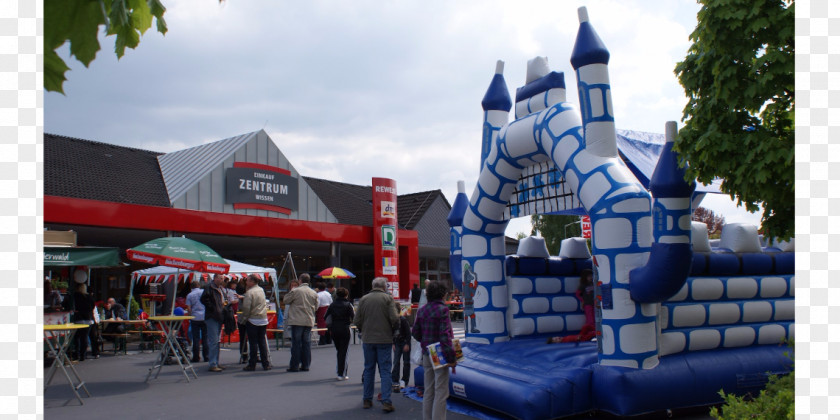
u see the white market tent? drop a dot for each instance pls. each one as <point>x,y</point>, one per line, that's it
<point>163,274</point>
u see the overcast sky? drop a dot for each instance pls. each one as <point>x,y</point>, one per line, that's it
<point>361,89</point>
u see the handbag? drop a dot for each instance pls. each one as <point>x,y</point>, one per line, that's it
<point>228,320</point>
<point>416,353</point>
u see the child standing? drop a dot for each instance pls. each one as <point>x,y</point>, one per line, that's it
<point>402,350</point>
<point>586,294</point>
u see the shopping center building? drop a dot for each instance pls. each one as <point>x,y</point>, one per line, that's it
<point>243,198</point>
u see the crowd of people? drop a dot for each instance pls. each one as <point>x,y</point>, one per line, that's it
<point>385,328</point>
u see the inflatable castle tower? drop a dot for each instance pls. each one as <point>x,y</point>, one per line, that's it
<point>676,320</point>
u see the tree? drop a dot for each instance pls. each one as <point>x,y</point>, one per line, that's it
<point>554,228</point>
<point>714,222</point>
<point>739,120</point>
<point>78,21</point>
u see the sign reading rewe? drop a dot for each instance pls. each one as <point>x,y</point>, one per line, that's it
<point>257,186</point>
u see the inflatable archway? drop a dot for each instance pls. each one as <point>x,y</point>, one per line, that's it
<point>677,321</point>
<point>626,235</point>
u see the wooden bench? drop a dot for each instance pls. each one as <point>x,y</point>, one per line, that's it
<point>120,339</point>
<point>278,336</point>
<point>160,335</point>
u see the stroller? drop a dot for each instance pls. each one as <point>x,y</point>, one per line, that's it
<point>184,344</point>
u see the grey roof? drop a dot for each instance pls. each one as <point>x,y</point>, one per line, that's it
<point>351,204</point>
<point>183,168</point>
<point>92,170</point>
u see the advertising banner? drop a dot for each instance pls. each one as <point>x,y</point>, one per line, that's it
<point>385,241</point>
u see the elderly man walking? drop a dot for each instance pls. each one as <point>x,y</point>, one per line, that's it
<point>301,303</point>
<point>376,318</point>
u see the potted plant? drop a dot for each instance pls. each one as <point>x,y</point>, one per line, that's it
<point>60,285</point>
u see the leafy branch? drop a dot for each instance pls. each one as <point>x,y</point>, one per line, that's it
<point>78,22</point>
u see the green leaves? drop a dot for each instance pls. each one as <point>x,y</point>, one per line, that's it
<point>78,22</point>
<point>738,76</point>
<point>554,228</point>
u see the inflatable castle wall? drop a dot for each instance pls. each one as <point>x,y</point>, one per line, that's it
<point>677,319</point>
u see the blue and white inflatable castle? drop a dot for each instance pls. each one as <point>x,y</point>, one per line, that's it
<point>677,319</point>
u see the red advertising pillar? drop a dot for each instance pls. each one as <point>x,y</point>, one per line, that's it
<point>385,245</point>
<point>585,227</point>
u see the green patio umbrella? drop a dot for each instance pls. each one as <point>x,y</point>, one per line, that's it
<point>178,252</point>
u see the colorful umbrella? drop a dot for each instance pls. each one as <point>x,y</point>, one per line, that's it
<point>336,273</point>
<point>179,252</point>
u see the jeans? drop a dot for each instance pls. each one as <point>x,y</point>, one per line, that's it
<point>257,340</point>
<point>406,365</point>
<point>377,354</point>
<point>198,332</point>
<point>435,390</point>
<point>214,330</point>
<point>301,347</point>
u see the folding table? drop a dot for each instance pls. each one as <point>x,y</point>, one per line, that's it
<point>170,324</point>
<point>52,335</point>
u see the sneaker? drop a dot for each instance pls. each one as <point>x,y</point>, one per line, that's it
<point>387,407</point>
<point>367,404</point>
<point>402,384</point>
<point>266,367</point>
<point>339,378</point>
<point>215,369</point>
<point>222,367</point>
<point>249,368</point>
<point>395,388</point>
<point>346,378</point>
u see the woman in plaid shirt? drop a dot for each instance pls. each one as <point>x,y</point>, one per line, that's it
<point>432,326</point>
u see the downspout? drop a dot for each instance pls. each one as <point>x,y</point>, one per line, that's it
<point>670,258</point>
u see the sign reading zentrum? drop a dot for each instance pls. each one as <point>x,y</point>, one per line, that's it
<point>256,186</point>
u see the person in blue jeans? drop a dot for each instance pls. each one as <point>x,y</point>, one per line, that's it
<point>213,299</point>
<point>301,303</point>
<point>198,329</point>
<point>376,318</point>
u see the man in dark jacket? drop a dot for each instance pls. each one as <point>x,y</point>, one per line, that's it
<point>415,293</point>
<point>377,319</point>
<point>213,299</point>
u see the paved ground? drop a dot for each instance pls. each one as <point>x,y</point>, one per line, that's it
<point>118,390</point>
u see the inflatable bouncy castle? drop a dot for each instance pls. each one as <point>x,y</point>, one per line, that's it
<point>676,318</point>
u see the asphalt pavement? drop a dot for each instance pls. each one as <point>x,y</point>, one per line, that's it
<point>118,390</point>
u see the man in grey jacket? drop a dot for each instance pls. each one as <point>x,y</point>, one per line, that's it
<point>376,318</point>
<point>301,304</point>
